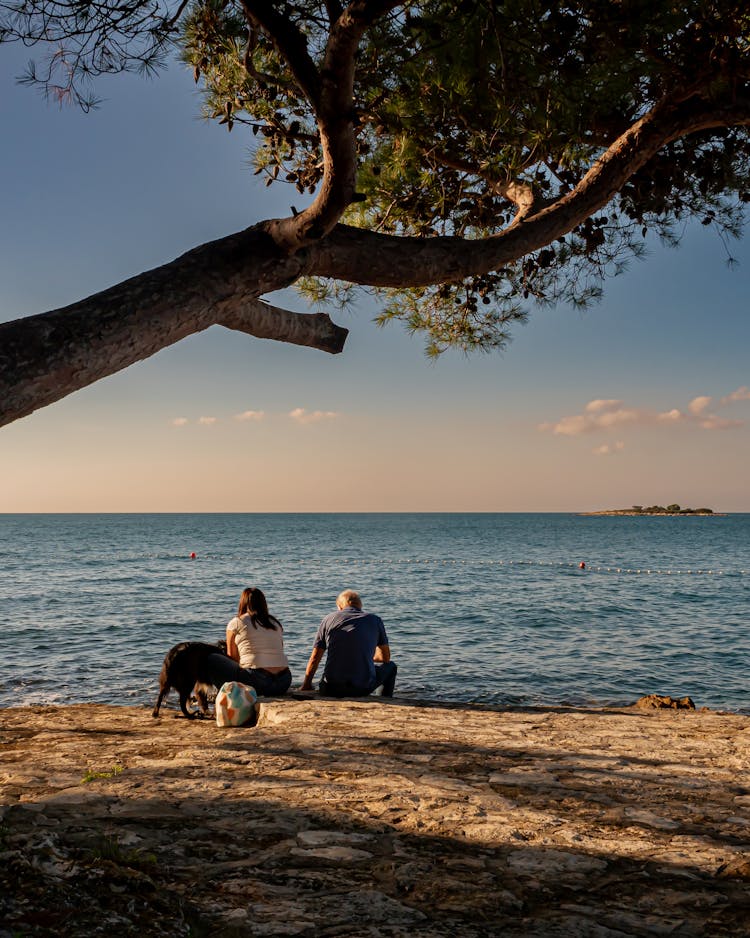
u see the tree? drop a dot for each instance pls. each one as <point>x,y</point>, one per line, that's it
<point>465,160</point>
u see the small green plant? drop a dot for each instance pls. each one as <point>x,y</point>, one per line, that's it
<point>109,849</point>
<point>110,773</point>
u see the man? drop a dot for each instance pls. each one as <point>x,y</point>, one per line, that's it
<point>359,657</point>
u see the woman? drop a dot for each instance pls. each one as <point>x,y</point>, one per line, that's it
<point>255,646</point>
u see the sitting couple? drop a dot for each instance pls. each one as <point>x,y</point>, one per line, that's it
<point>358,661</point>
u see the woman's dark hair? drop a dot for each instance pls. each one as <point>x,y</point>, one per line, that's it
<point>253,603</point>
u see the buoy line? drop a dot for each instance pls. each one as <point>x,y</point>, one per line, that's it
<point>577,565</point>
<point>582,566</point>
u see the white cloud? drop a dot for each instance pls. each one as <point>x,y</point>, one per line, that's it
<point>250,415</point>
<point>603,414</point>
<point>712,422</point>
<point>741,394</point>
<point>179,421</point>
<point>606,450</point>
<point>699,404</point>
<point>569,426</point>
<point>615,417</point>
<point>594,407</point>
<point>311,416</point>
<point>669,416</point>
<point>598,415</point>
<point>207,421</point>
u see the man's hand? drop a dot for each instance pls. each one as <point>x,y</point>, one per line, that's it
<point>312,667</point>
<point>382,654</point>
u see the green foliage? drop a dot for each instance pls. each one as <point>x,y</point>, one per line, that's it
<point>451,317</point>
<point>532,93</point>
<point>108,850</point>
<point>91,775</point>
<point>673,509</point>
<point>89,39</point>
<point>245,82</point>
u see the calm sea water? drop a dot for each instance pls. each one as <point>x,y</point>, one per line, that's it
<point>490,608</point>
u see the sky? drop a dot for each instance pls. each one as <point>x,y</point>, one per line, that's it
<point>642,399</point>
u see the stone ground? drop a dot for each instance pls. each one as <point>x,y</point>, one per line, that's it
<point>375,818</point>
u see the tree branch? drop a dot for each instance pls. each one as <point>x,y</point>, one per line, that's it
<point>43,358</point>
<point>290,43</point>
<point>385,260</point>
<point>334,10</point>
<point>521,194</point>
<point>265,321</point>
<point>335,114</point>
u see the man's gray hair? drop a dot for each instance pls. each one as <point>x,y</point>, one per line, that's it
<point>349,598</point>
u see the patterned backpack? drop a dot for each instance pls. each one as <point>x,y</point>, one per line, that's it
<point>235,705</point>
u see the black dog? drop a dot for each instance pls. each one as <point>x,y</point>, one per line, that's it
<point>184,669</point>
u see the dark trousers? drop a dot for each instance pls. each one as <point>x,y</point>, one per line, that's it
<point>223,669</point>
<point>385,677</point>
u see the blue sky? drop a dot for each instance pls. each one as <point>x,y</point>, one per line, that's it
<point>638,400</point>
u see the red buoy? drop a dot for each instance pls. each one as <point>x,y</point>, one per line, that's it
<point>192,556</point>
<point>581,565</point>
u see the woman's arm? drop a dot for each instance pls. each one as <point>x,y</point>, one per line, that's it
<point>232,649</point>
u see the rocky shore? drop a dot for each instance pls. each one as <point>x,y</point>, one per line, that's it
<point>375,818</point>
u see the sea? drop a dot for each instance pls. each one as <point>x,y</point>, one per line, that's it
<point>497,609</point>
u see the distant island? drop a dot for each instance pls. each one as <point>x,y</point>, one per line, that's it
<point>637,510</point>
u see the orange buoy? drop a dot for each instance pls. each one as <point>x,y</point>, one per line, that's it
<point>581,565</point>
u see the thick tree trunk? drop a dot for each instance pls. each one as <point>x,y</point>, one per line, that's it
<point>43,358</point>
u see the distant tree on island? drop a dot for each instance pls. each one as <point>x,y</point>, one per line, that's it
<point>673,509</point>
<point>463,160</point>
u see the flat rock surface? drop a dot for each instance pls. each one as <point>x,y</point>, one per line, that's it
<point>375,818</point>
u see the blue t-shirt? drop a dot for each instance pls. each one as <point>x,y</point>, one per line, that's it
<point>351,637</point>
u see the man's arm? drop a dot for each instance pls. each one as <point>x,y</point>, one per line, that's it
<point>382,654</point>
<point>312,667</point>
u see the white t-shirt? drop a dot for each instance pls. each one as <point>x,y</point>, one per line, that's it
<point>258,647</point>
